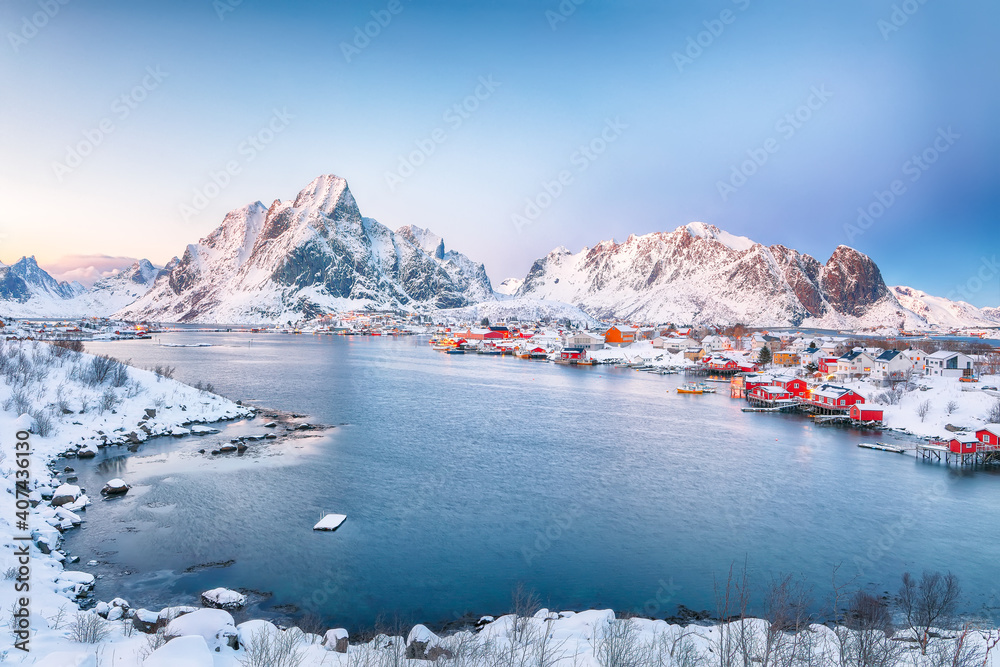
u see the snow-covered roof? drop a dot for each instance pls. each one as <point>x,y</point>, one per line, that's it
<point>965,437</point>
<point>831,391</point>
<point>943,354</point>
<point>888,355</point>
<point>992,428</point>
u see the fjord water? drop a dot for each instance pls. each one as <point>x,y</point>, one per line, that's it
<point>463,476</point>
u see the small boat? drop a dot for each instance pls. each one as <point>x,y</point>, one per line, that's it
<point>689,388</point>
<point>585,363</point>
<point>455,350</point>
<point>706,388</point>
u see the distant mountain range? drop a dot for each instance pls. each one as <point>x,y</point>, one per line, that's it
<point>316,253</point>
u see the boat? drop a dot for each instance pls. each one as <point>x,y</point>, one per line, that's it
<point>689,388</point>
<point>706,388</point>
<point>585,363</point>
<point>455,350</point>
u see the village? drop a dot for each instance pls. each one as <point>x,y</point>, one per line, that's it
<point>916,383</point>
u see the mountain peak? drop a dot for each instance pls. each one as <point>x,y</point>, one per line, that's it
<point>711,232</point>
<point>322,194</point>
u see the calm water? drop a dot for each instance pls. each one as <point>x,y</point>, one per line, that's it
<point>463,476</point>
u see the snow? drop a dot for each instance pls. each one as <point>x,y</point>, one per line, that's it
<point>509,286</point>
<point>191,651</point>
<point>972,404</point>
<point>731,241</point>
<point>520,309</point>
<point>330,522</point>
<point>214,625</point>
<point>943,312</point>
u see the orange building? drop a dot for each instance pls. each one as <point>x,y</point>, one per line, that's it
<point>620,335</point>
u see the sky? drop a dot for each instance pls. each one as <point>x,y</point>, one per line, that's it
<point>129,129</point>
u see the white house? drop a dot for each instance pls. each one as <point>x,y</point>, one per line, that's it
<point>948,364</point>
<point>583,340</point>
<point>889,364</point>
<point>918,360</point>
<point>855,363</point>
<point>674,344</point>
<point>716,343</point>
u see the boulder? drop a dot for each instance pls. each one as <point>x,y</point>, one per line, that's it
<point>88,450</point>
<point>66,494</point>
<point>150,413</point>
<point>223,598</point>
<point>168,614</point>
<point>145,621</point>
<point>190,651</point>
<point>422,644</point>
<point>215,626</point>
<point>115,487</point>
<point>336,640</point>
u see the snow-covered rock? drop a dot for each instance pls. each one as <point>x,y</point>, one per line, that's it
<point>88,450</point>
<point>115,487</point>
<point>223,598</point>
<point>65,494</point>
<point>214,625</point>
<point>336,639</point>
<point>422,644</point>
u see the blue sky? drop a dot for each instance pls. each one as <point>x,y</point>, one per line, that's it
<point>677,117</point>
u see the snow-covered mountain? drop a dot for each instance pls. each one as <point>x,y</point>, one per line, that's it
<point>510,286</point>
<point>307,256</point>
<point>701,274</point>
<point>939,311</point>
<point>27,290</point>
<point>470,277</point>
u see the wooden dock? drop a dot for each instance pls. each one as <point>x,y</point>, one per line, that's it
<point>882,447</point>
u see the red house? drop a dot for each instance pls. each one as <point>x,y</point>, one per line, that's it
<point>989,435</point>
<point>861,414</point>
<point>834,398</point>
<point>770,393</point>
<point>720,364</point>
<point>964,443</point>
<point>572,354</point>
<point>795,386</point>
<point>752,381</point>
<point>827,364</point>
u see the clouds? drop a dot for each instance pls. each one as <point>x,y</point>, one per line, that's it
<point>87,269</point>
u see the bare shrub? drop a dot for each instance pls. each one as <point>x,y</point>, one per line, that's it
<point>18,401</point>
<point>267,648</point>
<point>88,628</point>
<point>99,369</point>
<point>164,372</point>
<point>923,409</point>
<point>108,401</point>
<point>61,347</point>
<point>993,416</point>
<point>928,602</point>
<point>118,376</point>
<point>43,423</point>
<point>617,643</point>
<point>951,407</point>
